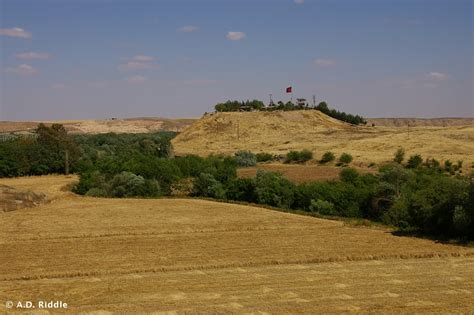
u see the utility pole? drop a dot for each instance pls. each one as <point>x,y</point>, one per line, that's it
<point>314,100</point>
<point>271,100</point>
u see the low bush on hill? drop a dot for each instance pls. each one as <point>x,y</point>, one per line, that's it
<point>298,156</point>
<point>245,158</point>
<point>265,157</point>
<point>327,157</point>
<point>345,159</point>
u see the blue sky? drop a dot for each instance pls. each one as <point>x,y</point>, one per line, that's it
<point>84,59</point>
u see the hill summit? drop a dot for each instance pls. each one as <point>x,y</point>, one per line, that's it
<point>278,131</point>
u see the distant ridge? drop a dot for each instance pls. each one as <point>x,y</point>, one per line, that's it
<point>435,122</point>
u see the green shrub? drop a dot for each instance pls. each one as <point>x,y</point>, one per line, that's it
<point>274,190</point>
<point>414,161</point>
<point>399,155</point>
<point>323,207</point>
<point>242,189</point>
<point>349,175</point>
<point>345,158</point>
<point>299,156</point>
<point>327,157</point>
<point>264,157</point>
<point>207,186</point>
<point>245,158</point>
<point>448,166</point>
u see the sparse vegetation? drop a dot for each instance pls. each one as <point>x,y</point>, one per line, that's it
<point>345,159</point>
<point>399,156</point>
<point>327,157</point>
<point>265,157</point>
<point>414,161</point>
<point>298,156</point>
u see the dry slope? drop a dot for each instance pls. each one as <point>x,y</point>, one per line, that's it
<point>280,132</point>
<point>130,125</point>
<point>184,256</point>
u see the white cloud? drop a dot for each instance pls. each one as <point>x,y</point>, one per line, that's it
<point>143,58</point>
<point>236,35</point>
<point>324,62</point>
<point>138,62</point>
<point>188,29</point>
<point>23,70</point>
<point>15,32</point>
<point>32,56</point>
<point>299,1</point>
<point>58,86</point>
<point>136,79</point>
<point>438,76</point>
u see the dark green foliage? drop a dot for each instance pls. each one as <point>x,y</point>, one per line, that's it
<point>235,106</point>
<point>242,189</point>
<point>274,190</point>
<point>42,154</point>
<point>345,158</point>
<point>322,207</point>
<point>349,175</point>
<point>449,167</point>
<point>245,158</point>
<point>414,161</point>
<point>399,156</point>
<point>355,120</point>
<point>264,157</point>
<point>327,157</point>
<point>298,156</point>
<point>207,186</point>
<point>434,204</point>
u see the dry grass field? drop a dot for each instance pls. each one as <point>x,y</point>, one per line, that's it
<point>186,256</point>
<point>280,132</point>
<point>131,125</point>
<point>300,173</point>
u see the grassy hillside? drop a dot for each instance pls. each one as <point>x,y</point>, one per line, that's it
<point>280,132</point>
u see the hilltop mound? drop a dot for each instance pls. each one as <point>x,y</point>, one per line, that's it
<point>13,199</point>
<point>280,132</point>
<point>226,132</point>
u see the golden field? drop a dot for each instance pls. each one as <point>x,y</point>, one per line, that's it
<point>129,125</point>
<point>188,256</point>
<point>280,132</point>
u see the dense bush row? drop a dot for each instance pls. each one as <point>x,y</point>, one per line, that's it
<point>256,105</point>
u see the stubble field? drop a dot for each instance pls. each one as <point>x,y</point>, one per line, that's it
<point>185,256</point>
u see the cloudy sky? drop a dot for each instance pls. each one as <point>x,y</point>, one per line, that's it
<point>83,59</point>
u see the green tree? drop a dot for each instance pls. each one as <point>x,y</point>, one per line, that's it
<point>415,161</point>
<point>399,155</point>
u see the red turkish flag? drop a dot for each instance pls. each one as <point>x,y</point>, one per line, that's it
<point>288,89</point>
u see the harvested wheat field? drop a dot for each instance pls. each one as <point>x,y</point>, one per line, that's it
<point>186,256</point>
<point>280,132</point>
